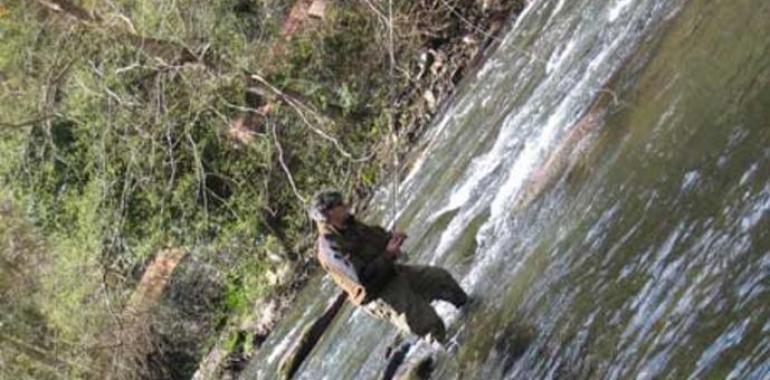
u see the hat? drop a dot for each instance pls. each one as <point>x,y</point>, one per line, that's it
<point>322,202</point>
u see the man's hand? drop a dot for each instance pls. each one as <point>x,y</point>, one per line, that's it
<point>393,249</point>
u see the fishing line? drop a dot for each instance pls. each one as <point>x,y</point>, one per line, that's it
<point>391,119</point>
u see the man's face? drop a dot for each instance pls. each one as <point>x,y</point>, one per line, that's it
<point>338,214</point>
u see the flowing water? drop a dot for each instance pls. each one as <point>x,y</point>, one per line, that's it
<point>601,188</point>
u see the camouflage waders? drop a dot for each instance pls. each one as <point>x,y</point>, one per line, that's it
<point>354,258</point>
<point>405,300</point>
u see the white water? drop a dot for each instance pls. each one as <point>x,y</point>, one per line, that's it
<point>650,263</point>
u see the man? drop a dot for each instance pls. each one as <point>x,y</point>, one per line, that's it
<point>361,260</point>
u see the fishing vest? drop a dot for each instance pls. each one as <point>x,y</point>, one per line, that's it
<point>344,253</point>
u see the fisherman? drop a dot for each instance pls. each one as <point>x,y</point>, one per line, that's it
<point>361,259</point>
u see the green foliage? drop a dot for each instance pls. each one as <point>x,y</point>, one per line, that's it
<point>74,259</point>
<point>131,152</point>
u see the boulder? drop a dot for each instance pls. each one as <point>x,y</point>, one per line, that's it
<point>309,337</point>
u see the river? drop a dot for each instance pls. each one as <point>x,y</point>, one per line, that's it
<point>601,187</point>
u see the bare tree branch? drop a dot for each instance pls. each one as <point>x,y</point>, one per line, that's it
<point>284,167</point>
<point>168,52</point>
<point>377,12</point>
<point>26,123</point>
<point>301,108</point>
<point>40,355</point>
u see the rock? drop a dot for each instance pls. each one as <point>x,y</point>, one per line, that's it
<point>513,342</point>
<point>280,274</point>
<point>470,40</point>
<point>309,337</point>
<point>430,100</point>
<point>268,312</point>
<point>395,359</point>
<point>438,62</point>
<point>317,9</point>
<point>242,130</point>
<point>420,369</point>
<point>423,62</point>
<point>209,366</point>
<point>275,257</point>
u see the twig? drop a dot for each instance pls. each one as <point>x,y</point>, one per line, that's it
<point>224,203</point>
<point>127,21</point>
<point>377,12</point>
<point>253,110</point>
<point>283,165</point>
<point>130,67</point>
<point>468,22</point>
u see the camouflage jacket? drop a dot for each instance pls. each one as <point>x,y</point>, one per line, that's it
<point>354,256</point>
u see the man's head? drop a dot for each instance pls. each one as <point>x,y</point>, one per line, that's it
<point>329,206</point>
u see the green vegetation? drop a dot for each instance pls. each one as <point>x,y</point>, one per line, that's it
<point>124,150</point>
<point>127,127</point>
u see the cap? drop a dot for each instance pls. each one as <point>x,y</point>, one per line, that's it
<point>324,201</point>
